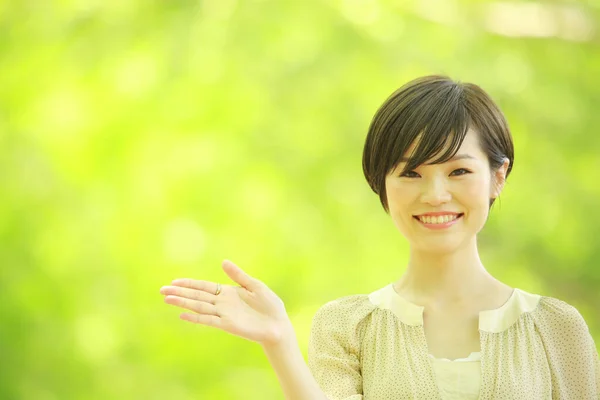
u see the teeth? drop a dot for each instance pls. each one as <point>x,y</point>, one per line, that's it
<point>440,219</point>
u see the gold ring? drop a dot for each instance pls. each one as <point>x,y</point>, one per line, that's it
<point>218,289</point>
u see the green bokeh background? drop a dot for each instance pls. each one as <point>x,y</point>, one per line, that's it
<point>145,141</point>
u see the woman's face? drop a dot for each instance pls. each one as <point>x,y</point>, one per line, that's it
<point>441,207</point>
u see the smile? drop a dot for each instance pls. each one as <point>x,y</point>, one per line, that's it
<point>438,221</point>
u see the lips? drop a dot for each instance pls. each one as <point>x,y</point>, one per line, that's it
<point>438,219</point>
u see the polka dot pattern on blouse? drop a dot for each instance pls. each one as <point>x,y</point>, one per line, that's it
<point>373,347</point>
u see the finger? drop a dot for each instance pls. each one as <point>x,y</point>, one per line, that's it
<point>239,276</point>
<point>193,305</point>
<point>209,320</point>
<point>192,294</point>
<point>205,286</point>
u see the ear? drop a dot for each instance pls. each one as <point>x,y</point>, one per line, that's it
<point>499,178</point>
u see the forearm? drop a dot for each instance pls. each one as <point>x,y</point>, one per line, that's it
<point>292,372</point>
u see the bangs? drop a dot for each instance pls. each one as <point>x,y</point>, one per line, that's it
<point>444,122</point>
<point>434,146</point>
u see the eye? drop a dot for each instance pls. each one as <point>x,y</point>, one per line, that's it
<point>410,174</point>
<point>460,171</point>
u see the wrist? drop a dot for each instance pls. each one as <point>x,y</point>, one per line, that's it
<point>282,337</point>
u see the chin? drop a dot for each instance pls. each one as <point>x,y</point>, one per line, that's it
<point>439,247</point>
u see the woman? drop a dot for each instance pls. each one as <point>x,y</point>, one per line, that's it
<point>437,153</point>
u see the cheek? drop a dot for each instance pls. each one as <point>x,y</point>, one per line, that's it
<point>400,196</point>
<point>399,201</point>
<point>475,198</point>
<point>476,191</point>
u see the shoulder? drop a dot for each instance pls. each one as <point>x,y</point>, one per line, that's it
<point>343,314</point>
<point>345,308</point>
<point>570,349</point>
<point>558,310</point>
<point>558,318</point>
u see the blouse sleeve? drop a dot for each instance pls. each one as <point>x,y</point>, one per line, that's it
<point>334,347</point>
<point>571,352</point>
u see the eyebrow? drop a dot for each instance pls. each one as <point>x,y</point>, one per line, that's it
<point>455,158</point>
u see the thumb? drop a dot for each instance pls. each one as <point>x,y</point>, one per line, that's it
<point>239,276</point>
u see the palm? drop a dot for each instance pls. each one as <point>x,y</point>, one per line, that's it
<point>251,311</point>
<point>252,315</point>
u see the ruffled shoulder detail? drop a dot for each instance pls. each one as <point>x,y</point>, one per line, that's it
<point>559,320</point>
<point>570,349</point>
<point>345,315</point>
<point>334,346</point>
<point>553,307</point>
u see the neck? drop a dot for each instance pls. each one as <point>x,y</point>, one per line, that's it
<point>445,277</point>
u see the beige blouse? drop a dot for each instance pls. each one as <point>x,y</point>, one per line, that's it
<point>373,347</point>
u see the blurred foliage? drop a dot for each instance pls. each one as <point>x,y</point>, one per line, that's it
<point>144,141</point>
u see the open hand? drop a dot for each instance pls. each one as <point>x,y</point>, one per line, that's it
<point>251,310</point>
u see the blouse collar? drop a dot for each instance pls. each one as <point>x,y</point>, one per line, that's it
<point>494,321</point>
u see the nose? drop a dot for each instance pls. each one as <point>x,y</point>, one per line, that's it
<point>435,192</point>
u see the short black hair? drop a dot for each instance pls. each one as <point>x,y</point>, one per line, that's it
<point>439,111</point>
